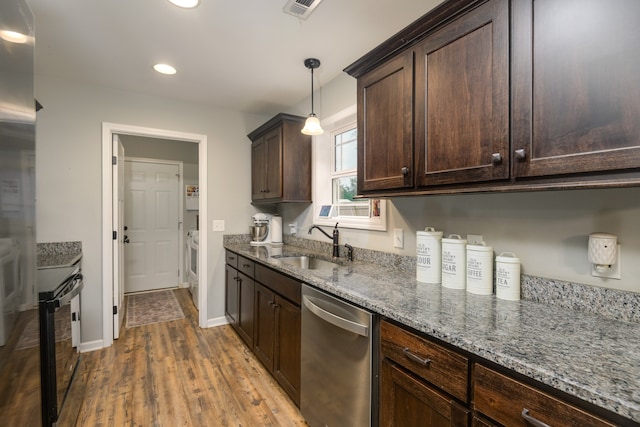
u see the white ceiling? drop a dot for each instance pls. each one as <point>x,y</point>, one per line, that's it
<point>240,55</point>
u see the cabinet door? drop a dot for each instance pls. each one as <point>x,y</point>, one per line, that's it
<point>462,99</point>
<point>273,166</point>
<point>258,169</point>
<point>263,339</point>
<point>231,294</point>
<point>407,402</point>
<point>246,310</point>
<point>576,85</point>
<point>385,126</point>
<point>286,364</point>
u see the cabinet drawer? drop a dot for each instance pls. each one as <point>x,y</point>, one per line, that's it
<point>231,259</point>
<point>443,368</point>
<point>279,283</point>
<point>503,399</point>
<point>246,266</point>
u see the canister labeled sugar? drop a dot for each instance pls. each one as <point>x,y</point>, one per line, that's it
<point>428,256</point>
<point>508,276</point>
<point>454,262</point>
<point>480,269</point>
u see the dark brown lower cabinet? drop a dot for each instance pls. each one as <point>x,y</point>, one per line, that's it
<point>504,399</point>
<point>410,402</point>
<point>246,312</point>
<point>231,305</point>
<point>286,358</point>
<point>264,342</point>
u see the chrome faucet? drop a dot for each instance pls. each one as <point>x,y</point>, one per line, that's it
<point>335,238</point>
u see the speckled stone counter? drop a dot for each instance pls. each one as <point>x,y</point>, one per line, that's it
<point>590,356</point>
<point>58,254</point>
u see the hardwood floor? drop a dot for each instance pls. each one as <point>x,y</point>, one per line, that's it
<point>177,374</point>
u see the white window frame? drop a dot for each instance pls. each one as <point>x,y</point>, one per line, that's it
<point>323,158</point>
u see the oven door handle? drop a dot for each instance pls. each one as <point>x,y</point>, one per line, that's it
<point>336,320</point>
<point>73,292</point>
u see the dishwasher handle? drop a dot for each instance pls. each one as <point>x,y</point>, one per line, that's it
<point>340,322</point>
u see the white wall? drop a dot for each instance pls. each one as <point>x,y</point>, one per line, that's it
<point>547,230</point>
<point>68,177</point>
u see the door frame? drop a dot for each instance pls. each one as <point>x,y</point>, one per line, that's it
<point>108,129</point>
<point>180,165</point>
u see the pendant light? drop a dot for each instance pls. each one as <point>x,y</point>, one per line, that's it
<point>312,125</point>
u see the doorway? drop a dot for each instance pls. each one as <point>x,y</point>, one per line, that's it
<point>109,244</point>
<point>153,221</point>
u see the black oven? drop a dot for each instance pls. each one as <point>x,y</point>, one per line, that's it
<point>58,311</point>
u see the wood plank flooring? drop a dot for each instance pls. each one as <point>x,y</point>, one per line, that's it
<point>164,374</point>
<point>177,374</point>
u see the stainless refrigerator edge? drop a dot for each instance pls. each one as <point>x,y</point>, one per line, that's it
<point>17,197</point>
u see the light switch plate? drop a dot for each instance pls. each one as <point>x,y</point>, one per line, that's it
<point>218,225</point>
<point>615,272</point>
<point>398,238</point>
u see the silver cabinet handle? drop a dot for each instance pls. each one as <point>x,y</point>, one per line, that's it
<point>496,158</point>
<point>531,420</point>
<point>405,171</point>
<point>336,320</point>
<point>416,358</point>
<point>521,154</point>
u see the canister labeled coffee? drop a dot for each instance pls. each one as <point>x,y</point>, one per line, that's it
<point>480,269</point>
<point>454,262</point>
<point>428,256</point>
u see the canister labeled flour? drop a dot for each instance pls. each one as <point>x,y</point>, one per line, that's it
<point>454,262</point>
<point>508,276</point>
<point>480,269</point>
<point>428,256</point>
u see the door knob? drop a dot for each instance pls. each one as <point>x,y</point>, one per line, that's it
<point>126,239</point>
<point>126,228</point>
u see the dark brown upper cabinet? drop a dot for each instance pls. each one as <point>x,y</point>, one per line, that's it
<point>576,86</point>
<point>502,95</point>
<point>385,126</point>
<point>462,99</point>
<point>280,161</point>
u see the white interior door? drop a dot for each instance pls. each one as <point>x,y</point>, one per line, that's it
<point>118,244</point>
<point>152,220</point>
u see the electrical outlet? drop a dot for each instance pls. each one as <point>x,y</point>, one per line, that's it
<point>614,272</point>
<point>398,238</point>
<point>218,225</point>
<point>293,228</point>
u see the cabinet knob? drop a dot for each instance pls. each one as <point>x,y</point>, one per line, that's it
<point>405,171</point>
<point>521,154</point>
<point>496,158</point>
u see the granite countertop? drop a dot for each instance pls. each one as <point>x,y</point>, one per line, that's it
<point>58,254</point>
<point>592,357</point>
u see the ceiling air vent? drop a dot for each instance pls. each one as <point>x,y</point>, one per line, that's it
<point>300,8</point>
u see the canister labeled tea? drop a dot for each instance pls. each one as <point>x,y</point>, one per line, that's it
<point>428,256</point>
<point>454,262</point>
<point>508,276</point>
<point>480,269</point>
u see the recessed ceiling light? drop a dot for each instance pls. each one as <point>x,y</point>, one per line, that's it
<point>13,37</point>
<point>164,68</point>
<point>185,3</point>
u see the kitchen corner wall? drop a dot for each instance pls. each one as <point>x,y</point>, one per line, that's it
<point>548,230</point>
<point>68,174</point>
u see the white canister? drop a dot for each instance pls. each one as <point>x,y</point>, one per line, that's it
<point>428,256</point>
<point>454,262</point>
<point>480,269</point>
<point>508,276</point>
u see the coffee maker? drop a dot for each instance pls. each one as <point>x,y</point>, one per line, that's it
<point>266,230</point>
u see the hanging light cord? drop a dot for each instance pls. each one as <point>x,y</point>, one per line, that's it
<point>312,92</point>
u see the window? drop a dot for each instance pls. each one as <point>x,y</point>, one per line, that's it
<point>336,183</point>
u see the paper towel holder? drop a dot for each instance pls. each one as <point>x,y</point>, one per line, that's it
<point>603,250</point>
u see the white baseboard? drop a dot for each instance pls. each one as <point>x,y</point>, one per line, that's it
<point>217,321</point>
<point>85,347</point>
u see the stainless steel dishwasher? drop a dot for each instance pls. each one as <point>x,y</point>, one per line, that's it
<point>339,362</point>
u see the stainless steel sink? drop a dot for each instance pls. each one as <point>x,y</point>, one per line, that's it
<point>305,262</point>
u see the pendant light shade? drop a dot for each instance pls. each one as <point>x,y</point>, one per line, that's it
<point>312,125</point>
